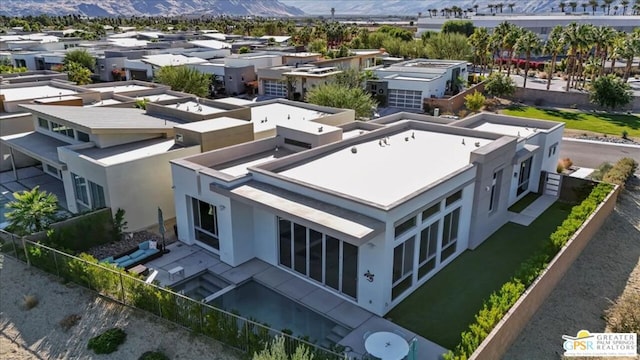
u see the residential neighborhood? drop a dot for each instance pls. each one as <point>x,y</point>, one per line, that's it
<point>326,186</point>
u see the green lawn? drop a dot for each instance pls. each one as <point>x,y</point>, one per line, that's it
<point>524,202</point>
<point>601,123</point>
<point>446,304</point>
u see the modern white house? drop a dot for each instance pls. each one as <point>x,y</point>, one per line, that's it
<point>406,84</point>
<point>368,211</point>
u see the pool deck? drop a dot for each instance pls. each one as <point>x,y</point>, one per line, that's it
<point>195,260</point>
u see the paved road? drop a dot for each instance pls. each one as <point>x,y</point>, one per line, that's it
<point>591,155</point>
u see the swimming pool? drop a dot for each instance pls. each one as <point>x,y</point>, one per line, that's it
<point>200,286</point>
<point>253,300</point>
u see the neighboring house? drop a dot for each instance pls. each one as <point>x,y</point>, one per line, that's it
<point>405,85</point>
<point>539,24</point>
<point>108,153</point>
<point>370,217</point>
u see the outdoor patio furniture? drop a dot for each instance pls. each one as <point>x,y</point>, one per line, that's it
<point>139,270</point>
<point>386,346</point>
<point>141,254</point>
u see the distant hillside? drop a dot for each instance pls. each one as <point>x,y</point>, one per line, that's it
<point>412,7</point>
<point>147,7</point>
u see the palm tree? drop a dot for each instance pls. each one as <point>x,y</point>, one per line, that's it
<point>584,7</point>
<point>527,44</point>
<point>602,37</point>
<point>594,6</point>
<point>617,50</point>
<point>32,210</point>
<point>630,50</point>
<point>479,40</point>
<point>500,6</point>
<point>608,5</point>
<point>511,5</point>
<point>491,6</point>
<point>625,5</point>
<point>571,39</point>
<point>562,6</point>
<point>585,36</point>
<point>475,8</point>
<point>573,5</point>
<point>554,46</point>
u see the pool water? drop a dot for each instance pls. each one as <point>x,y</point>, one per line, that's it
<point>200,286</point>
<point>253,300</point>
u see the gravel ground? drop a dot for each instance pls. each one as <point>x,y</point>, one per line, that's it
<point>608,266</point>
<point>37,334</point>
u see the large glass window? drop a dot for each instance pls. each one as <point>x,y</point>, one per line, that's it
<point>62,129</point>
<point>402,267</point>
<point>405,226</point>
<point>428,249</point>
<point>80,190</point>
<point>523,179</point>
<point>82,136</point>
<point>97,196</point>
<point>450,234</point>
<point>430,211</point>
<point>205,223</point>
<point>43,123</point>
<point>321,257</point>
<point>453,198</point>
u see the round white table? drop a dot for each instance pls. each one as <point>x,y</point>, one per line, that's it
<point>386,346</point>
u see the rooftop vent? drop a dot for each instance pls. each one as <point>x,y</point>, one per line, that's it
<point>463,141</point>
<point>320,129</point>
<point>354,150</point>
<point>477,143</point>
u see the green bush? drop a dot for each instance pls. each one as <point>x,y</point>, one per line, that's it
<point>153,355</point>
<point>499,302</point>
<point>82,233</point>
<point>108,341</point>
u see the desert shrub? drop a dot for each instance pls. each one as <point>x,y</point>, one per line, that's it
<point>624,315</point>
<point>108,341</point>
<point>565,163</point>
<point>599,173</point>
<point>621,171</point>
<point>69,321</point>
<point>625,134</point>
<point>153,355</point>
<point>29,302</point>
<point>543,75</point>
<point>462,113</point>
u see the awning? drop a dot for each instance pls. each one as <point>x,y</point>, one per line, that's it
<point>525,152</point>
<point>340,223</point>
<point>36,145</point>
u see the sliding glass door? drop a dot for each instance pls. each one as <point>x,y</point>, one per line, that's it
<point>323,258</point>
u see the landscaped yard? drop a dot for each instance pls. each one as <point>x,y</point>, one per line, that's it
<point>445,306</point>
<point>601,123</point>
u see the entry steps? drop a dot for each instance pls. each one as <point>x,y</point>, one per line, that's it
<point>337,333</point>
<point>552,184</point>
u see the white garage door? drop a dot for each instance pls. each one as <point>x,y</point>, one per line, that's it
<point>275,88</point>
<point>405,99</point>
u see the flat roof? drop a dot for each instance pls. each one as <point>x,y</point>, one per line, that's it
<point>34,92</point>
<point>120,88</point>
<point>105,118</point>
<point>239,167</point>
<point>353,133</point>
<point>36,145</point>
<point>157,97</point>
<point>212,124</point>
<point>56,99</point>
<point>196,107</point>
<point>512,130</point>
<point>128,152</point>
<point>384,174</point>
<point>211,44</point>
<point>171,60</point>
<point>104,103</point>
<point>350,226</point>
<point>309,127</point>
<point>278,114</point>
<point>234,101</point>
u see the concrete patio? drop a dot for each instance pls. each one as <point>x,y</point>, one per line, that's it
<point>195,260</point>
<point>28,178</point>
<point>531,212</point>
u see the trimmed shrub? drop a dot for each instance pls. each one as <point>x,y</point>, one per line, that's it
<point>108,341</point>
<point>29,302</point>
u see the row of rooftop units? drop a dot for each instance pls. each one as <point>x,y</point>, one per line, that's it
<point>303,187</point>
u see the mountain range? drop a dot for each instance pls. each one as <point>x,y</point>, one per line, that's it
<point>412,7</point>
<point>282,8</point>
<point>94,8</point>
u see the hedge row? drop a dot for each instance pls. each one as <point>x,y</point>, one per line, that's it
<point>621,171</point>
<point>495,308</point>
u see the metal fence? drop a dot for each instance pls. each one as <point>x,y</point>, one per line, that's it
<point>116,284</point>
